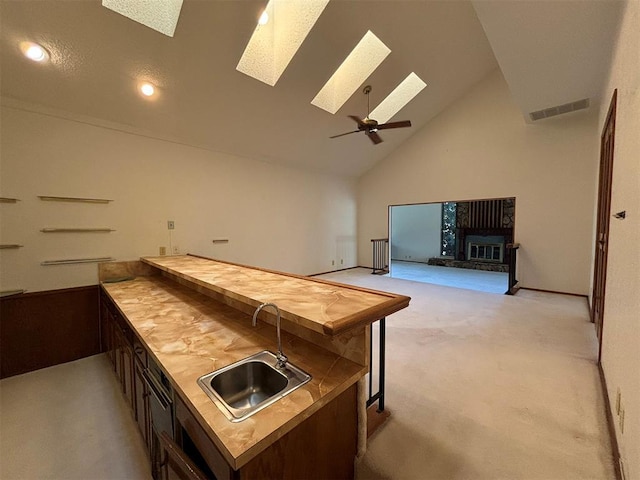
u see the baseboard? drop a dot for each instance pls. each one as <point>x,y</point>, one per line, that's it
<point>555,291</point>
<point>610,424</point>
<point>410,261</point>
<point>334,271</point>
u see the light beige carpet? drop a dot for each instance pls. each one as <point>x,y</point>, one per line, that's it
<point>488,386</point>
<point>69,422</point>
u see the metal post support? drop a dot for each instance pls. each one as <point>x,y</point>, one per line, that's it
<point>381,368</point>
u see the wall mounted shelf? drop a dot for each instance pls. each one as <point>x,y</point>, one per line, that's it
<point>221,240</point>
<point>8,200</point>
<point>8,293</point>
<point>77,230</point>
<point>72,261</point>
<point>73,199</point>
<point>8,246</point>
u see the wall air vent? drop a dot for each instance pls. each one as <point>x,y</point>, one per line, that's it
<point>560,109</point>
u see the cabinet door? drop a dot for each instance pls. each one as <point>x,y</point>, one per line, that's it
<point>110,340</point>
<point>117,345</point>
<point>142,403</point>
<point>127,373</point>
<point>104,323</point>
<point>124,358</point>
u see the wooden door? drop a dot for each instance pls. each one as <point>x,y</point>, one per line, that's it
<point>604,215</point>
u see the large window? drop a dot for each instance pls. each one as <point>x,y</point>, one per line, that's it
<point>448,235</point>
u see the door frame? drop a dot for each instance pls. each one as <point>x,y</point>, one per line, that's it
<point>601,241</point>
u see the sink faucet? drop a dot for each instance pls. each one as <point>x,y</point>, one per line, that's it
<point>281,358</point>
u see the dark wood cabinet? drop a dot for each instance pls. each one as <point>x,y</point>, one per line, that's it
<point>323,446</point>
<point>129,359</point>
<point>117,341</point>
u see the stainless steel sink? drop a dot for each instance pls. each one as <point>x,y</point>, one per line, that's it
<point>246,387</point>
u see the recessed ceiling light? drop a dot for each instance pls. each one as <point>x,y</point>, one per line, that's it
<point>147,89</point>
<point>34,51</point>
<point>264,18</point>
<point>367,55</point>
<point>160,15</point>
<point>396,100</point>
<point>272,46</point>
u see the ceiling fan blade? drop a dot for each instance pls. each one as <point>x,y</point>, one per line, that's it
<point>374,137</point>
<point>343,134</point>
<point>358,120</point>
<point>401,124</point>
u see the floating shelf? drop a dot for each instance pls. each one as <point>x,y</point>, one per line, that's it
<point>221,240</point>
<point>8,293</point>
<point>73,199</point>
<point>8,200</point>
<point>7,246</point>
<point>77,230</point>
<point>77,260</point>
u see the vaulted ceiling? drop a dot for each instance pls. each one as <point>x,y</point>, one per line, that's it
<point>549,52</point>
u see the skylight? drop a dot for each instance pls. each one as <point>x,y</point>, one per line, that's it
<point>396,100</point>
<point>274,43</point>
<point>367,55</point>
<point>160,15</point>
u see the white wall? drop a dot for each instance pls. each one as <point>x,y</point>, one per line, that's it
<point>415,232</point>
<point>480,147</point>
<point>274,217</point>
<point>621,327</point>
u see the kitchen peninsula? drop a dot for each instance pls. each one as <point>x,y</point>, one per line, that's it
<point>192,315</point>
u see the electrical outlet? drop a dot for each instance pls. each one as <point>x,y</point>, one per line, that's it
<point>618,402</point>
<point>163,250</point>
<point>171,224</point>
<point>341,261</point>
<point>176,250</point>
<point>333,262</point>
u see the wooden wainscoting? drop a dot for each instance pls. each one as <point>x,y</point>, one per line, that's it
<point>42,329</point>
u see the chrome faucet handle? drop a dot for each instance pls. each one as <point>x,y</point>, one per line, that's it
<point>282,360</point>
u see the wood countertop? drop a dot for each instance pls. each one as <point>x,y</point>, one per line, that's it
<point>190,335</point>
<point>324,307</point>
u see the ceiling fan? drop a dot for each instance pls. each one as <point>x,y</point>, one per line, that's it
<point>369,126</point>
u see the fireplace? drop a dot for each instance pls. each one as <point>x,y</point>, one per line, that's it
<point>476,235</point>
<point>485,248</point>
